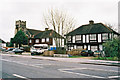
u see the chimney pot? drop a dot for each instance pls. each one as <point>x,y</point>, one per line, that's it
<point>91,22</point>
<point>46,29</point>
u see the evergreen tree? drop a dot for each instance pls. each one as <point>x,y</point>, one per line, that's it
<point>11,42</point>
<point>20,38</point>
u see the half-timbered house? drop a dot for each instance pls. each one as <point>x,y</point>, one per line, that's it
<point>90,36</point>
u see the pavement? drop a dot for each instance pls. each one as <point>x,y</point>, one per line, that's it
<point>75,60</point>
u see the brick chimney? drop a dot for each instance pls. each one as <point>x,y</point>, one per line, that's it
<point>91,22</point>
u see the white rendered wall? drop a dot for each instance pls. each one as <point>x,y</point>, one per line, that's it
<point>100,47</point>
<point>62,42</point>
<point>87,38</point>
<point>85,46</point>
<point>54,43</point>
<point>88,47</point>
<point>99,37</point>
<point>83,38</point>
<point>58,39</point>
<point>73,38</point>
<point>75,46</point>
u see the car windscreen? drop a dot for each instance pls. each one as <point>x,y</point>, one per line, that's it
<point>84,51</point>
<point>37,46</point>
<point>41,47</point>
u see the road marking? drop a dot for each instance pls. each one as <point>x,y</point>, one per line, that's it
<point>91,69</point>
<point>113,76</point>
<point>42,64</point>
<point>21,63</point>
<point>64,70</point>
<point>16,75</point>
<point>81,74</point>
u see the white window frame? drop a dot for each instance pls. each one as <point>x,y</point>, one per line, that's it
<point>47,39</point>
<point>37,41</point>
<point>69,38</point>
<point>43,40</point>
<point>94,48</point>
<point>30,41</point>
<point>115,35</point>
<point>93,36</point>
<point>79,47</point>
<point>73,39</point>
<point>78,37</point>
<point>104,36</point>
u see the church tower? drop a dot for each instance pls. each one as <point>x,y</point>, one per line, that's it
<point>20,25</point>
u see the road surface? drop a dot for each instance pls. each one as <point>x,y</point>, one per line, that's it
<point>27,68</point>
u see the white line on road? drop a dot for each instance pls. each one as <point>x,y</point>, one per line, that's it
<point>64,70</point>
<point>113,76</point>
<point>90,69</point>
<point>16,75</point>
<point>19,76</point>
<point>81,74</point>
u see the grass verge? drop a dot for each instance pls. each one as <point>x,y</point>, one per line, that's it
<point>77,56</point>
<point>107,58</point>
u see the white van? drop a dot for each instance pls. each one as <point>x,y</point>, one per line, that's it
<point>38,49</point>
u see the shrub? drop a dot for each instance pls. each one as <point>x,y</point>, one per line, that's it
<point>111,48</point>
<point>60,50</point>
<point>27,49</point>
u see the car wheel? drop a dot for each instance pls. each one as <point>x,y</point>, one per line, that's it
<point>32,53</point>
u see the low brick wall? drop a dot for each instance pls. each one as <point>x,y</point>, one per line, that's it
<point>61,55</point>
<point>48,53</point>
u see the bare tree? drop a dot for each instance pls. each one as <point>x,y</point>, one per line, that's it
<point>60,22</point>
<point>111,26</point>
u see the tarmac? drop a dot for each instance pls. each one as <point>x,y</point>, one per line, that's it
<point>75,60</point>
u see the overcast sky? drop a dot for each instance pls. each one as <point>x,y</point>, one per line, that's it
<point>105,11</point>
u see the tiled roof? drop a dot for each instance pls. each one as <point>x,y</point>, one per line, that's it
<point>43,34</point>
<point>33,31</point>
<point>48,34</point>
<point>91,29</point>
<point>1,41</point>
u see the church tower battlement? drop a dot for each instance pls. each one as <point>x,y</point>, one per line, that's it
<point>20,25</point>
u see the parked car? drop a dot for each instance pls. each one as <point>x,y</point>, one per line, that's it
<point>38,49</point>
<point>97,53</point>
<point>9,49</point>
<point>87,53</point>
<point>2,49</point>
<point>16,50</point>
<point>21,48</point>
